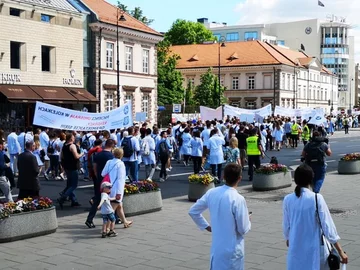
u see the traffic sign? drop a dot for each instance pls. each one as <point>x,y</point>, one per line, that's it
<point>176,108</point>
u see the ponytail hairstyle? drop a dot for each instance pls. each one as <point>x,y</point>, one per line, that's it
<point>303,177</point>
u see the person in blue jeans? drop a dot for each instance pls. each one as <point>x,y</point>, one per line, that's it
<point>314,154</point>
<point>131,147</point>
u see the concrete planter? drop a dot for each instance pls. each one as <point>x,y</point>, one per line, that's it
<point>196,190</point>
<point>264,182</point>
<point>28,224</point>
<point>349,167</point>
<point>142,203</point>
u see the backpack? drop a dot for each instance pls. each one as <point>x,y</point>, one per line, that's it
<point>163,149</point>
<point>85,144</point>
<point>145,147</point>
<point>314,153</point>
<point>178,136</point>
<point>50,148</point>
<point>42,155</point>
<point>127,146</point>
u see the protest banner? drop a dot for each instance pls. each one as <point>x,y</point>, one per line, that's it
<point>51,116</point>
<point>210,114</point>
<point>235,111</point>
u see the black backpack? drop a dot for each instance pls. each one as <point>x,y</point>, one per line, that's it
<point>314,153</point>
<point>50,148</point>
<point>127,147</point>
<point>178,136</point>
<point>85,144</point>
<point>163,149</point>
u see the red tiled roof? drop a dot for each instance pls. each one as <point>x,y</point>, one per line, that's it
<point>107,13</point>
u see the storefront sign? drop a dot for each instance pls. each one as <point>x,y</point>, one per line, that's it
<point>51,116</point>
<point>10,78</point>
<point>72,80</point>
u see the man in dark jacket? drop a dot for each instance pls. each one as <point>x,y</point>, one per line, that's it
<point>28,181</point>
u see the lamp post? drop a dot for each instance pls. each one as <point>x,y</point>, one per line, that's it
<point>221,44</point>
<point>351,81</point>
<point>122,19</point>
<point>332,95</point>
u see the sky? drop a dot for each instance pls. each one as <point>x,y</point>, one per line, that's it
<point>233,12</point>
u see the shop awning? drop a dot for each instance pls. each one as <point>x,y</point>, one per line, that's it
<point>52,94</point>
<point>82,95</point>
<point>19,93</point>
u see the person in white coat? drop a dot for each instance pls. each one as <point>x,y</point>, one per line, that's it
<point>301,226</point>
<point>185,149</point>
<point>115,168</point>
<point>216,157</point>
<point>196,151</point>
<point>230,221</point>
<point>14,149</point>
<point>147,151</point>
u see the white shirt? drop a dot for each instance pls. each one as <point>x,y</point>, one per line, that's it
<point>301,228</point>
<point>229,223</point>
<point>205,135</point>
<point>116,170</point>
<point>106,207</point>
<point>28,138</point>
<point>114,137</point>
<point>136,148</point>
<point>44,142</point>
<point>13,144</point>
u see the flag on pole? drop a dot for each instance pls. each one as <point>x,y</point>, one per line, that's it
<point>320,4</point>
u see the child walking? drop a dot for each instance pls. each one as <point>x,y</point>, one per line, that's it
<point>107,211</point>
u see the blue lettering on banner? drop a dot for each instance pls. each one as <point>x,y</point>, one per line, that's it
<point>50,111</point>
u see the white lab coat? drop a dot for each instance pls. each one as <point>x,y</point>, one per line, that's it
<point>215,144</point>
<point>116,170</point>
<point>229,223</point>
<point>302,229</point>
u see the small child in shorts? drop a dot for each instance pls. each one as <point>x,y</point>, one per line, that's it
<point>107,211</point>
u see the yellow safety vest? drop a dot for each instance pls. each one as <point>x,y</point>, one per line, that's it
<point>252,146</point>
<point>295,129</point>
<point>306,133</point>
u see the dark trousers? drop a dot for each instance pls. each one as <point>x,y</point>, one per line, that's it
<point>295,138</point>
<point>54,165</point>
<point>96,200</point>
<point>346,129</point>
<point>72,183</point>
<point>197,164</point>
<point>132,170</point>
<point>269,142</point>
<point>163,161</point>
<point>186,158</point>
<point>26,193</point>
<point>253,160</point>
<point>10,175</point>
<point>218,172</point>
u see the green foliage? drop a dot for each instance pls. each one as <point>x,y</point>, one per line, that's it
<point>137,13</point>
<point>170,89</point>
<point>207,93</point>
<point>184,32</point>
<point>189,94</point>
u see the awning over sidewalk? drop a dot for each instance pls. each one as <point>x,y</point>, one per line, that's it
<point>48,94</point>
<point>19,93</point>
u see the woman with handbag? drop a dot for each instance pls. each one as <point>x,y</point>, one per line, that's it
<point>308,228</point>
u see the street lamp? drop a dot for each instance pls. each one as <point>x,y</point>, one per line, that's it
<point>121,19</point>
<point>350,107</point>
<point>221,44</point>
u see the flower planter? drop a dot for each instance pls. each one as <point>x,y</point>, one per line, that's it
<point>28,224</point>
<point>264,182</point>
<point>142,203</point>
<point>349,167</point>
<point>197,190</point>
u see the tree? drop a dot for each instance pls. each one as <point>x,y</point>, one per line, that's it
<point>184,32</point>
<point>207,93</point>
<point>137,13</point>
<point>189,94</point>
<point>170,89</point>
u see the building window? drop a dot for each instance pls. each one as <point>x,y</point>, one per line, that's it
<point>299,93</point>
<point>146,61</point>
<point>281,42</point>
<point>251,81</point>
<point>46,18</point>
<point>232,36</point>
<point>250,104</point>
<point>251,35</point>
<point>217,36</point>
<point>128,98</point>
<point>145,104</point>
<point>109,55</point>
<point>305,94</point>
<point>128,58</point>
<point>15,55</point>
<point>288,82</point>
<point>191,81</point>
<point>15,12</point>
<point>326,94</point>
<point>45,58</point>
<point>282,80</point>
<point>235,83</point>
<point>109,102</point>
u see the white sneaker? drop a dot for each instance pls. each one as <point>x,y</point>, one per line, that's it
<point>58,178</point>
<point>158,168</point>
<point>150,180</point>
<point>161,180</point>
<point>168,170</point>
<point>185,164</point>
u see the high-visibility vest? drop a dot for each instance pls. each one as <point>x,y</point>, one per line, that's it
<point>306,133</point>
<point>252,146</point>
<point>295,129</point>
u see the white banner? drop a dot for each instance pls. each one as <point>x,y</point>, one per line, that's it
<point>304,113</point>
<point>234,111</point>
<point>210,114</point>
<point>51,116</point>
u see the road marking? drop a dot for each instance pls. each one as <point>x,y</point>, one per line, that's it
<point>3,197</point>
<point>332,160</point>
<point>298,159</point>
<point>180,174</point>
<point>356,145</point>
